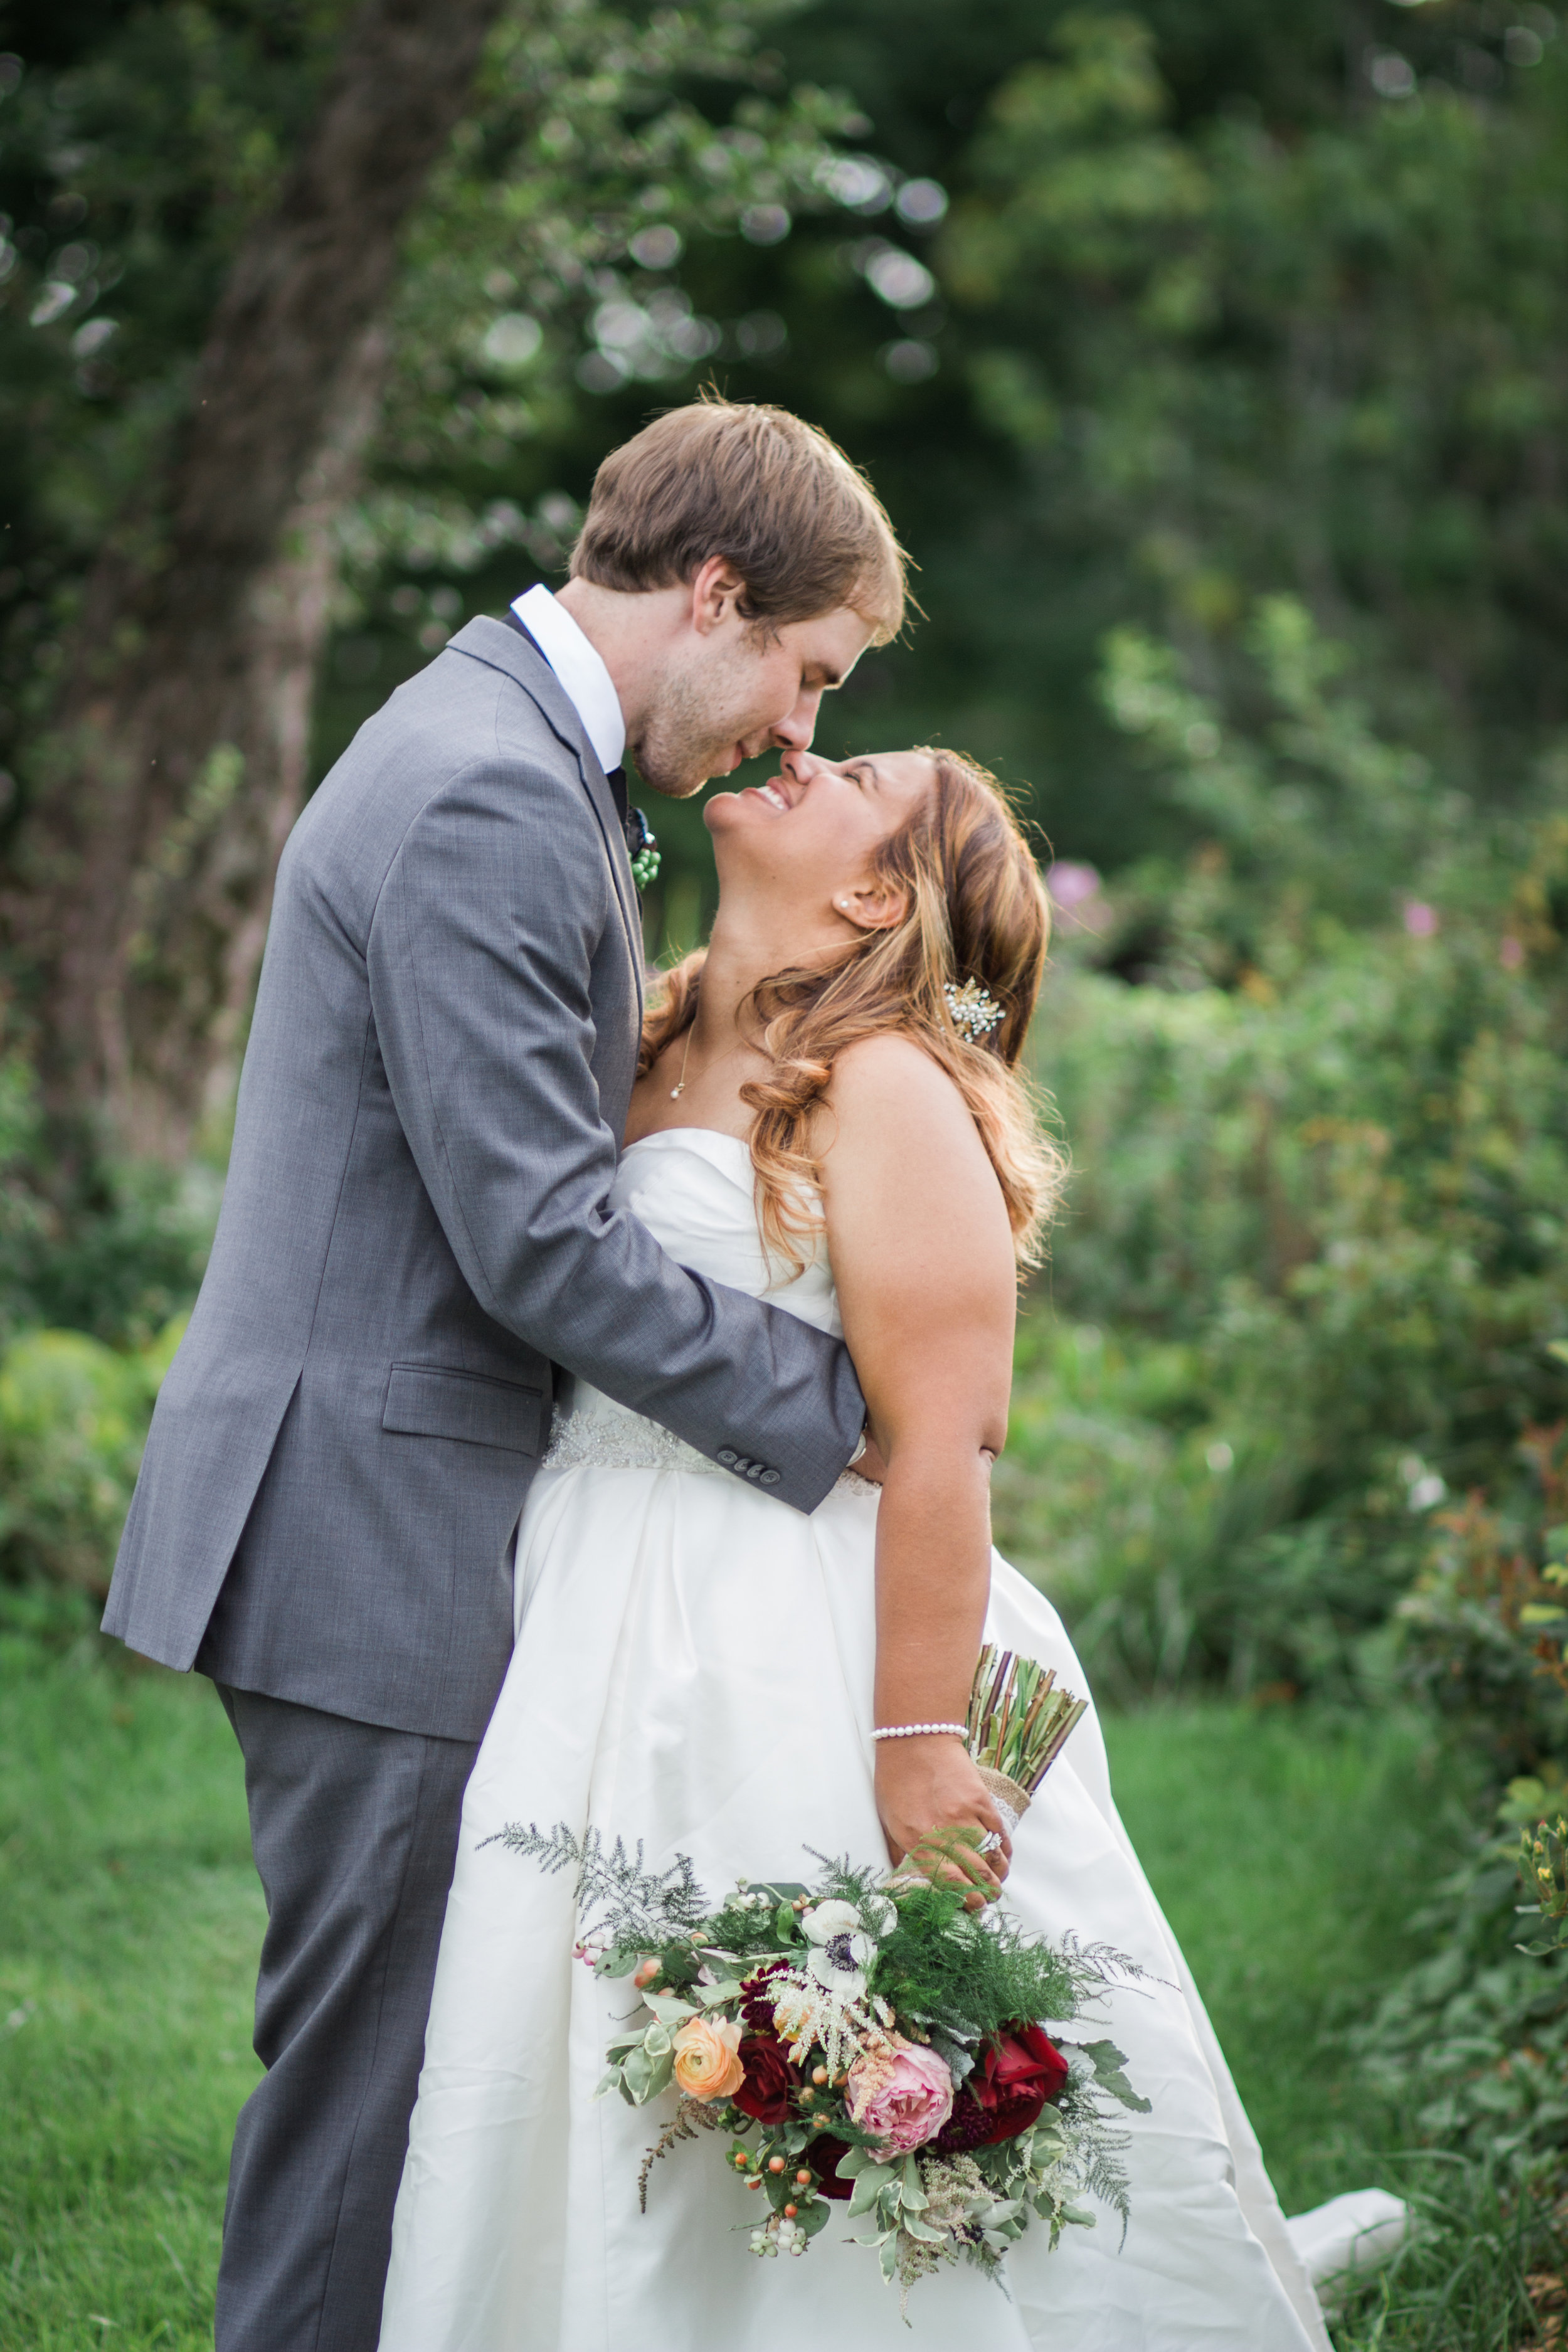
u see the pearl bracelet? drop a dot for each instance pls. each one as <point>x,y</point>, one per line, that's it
<point>919,1731</point>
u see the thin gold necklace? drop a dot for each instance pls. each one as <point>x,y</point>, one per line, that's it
<point>676,1091</point>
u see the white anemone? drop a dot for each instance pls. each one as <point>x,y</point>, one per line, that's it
<point>841,1949</point>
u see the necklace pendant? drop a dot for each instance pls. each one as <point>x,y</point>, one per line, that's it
<point>675,1092</point>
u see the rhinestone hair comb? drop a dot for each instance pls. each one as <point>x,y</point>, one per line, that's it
<point>975,1010</point>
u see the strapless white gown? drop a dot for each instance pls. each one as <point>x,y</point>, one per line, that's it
<point>694,1669</point>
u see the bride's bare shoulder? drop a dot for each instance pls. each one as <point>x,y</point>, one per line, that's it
<point>897,1129</point>
<point>889,1090</point>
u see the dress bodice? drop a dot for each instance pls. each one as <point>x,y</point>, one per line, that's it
<point>692,1186</point>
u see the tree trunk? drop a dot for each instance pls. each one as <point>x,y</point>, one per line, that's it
<point>137,900</point>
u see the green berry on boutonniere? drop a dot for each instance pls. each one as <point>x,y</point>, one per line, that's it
<point>642,846</point>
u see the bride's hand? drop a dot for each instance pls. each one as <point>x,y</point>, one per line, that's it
<point>935,1809</point>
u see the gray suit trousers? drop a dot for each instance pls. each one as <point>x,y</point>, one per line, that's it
<point>354,1829</point>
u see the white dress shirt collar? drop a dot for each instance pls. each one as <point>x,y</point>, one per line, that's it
<point>579,667</point>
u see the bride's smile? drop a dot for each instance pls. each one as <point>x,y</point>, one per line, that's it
<point>868,793</point>
<point>794,853</point>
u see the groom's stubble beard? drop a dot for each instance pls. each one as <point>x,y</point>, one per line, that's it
<point>687,738</point>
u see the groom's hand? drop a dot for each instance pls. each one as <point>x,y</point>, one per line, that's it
<point>872,1464</point>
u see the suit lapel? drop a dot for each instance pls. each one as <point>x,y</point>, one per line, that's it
<point>499,647</point>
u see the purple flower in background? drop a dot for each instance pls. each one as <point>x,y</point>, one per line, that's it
<point>1420,919</point>
<point>1072,884</point>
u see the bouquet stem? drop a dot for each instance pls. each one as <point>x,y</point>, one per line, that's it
<point>1019,1722</point>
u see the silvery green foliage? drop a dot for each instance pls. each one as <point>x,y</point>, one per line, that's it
<point>618,1902</point>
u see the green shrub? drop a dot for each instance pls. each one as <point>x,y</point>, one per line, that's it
<point>1320,1206</point>
<point>1473,2042</point>
<point>1295,1413</point>
<point>73,1420</point>
<point>1121,1493</point>
<point>107,1259</point>
<point>1484,1628</point>
<point>88,1244</point>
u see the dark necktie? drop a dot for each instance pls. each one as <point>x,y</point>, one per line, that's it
<point>642,846</point>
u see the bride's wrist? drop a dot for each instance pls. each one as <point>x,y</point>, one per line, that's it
<point>920,1730</point>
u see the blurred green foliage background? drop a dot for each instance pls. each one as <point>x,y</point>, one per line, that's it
<point>1213,361</point>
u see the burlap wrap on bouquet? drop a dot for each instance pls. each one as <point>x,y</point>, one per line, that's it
<point>1012,1802</point>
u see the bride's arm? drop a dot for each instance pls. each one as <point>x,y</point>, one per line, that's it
<point>922,1257</point>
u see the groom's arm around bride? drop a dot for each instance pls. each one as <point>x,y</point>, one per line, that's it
<point>416,1230</point>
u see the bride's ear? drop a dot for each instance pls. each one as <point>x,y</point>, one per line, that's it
<point>873,907</point>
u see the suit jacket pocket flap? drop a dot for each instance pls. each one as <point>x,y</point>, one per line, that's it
<point>429,1400</point>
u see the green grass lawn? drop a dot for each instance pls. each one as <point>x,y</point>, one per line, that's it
<point>130,1919</point>
<point>1287,1848</point>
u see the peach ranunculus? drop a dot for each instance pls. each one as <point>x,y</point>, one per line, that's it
<point>706,2058</point>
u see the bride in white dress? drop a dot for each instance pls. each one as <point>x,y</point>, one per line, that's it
<point>699,1667</point>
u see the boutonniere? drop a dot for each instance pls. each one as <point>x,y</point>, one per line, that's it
<point>642,848</point>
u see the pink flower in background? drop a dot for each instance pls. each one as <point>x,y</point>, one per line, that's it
<point>1511,955</point>
<point>901,2093</point>
<point>1072,884</point>
<point>1420,919</point>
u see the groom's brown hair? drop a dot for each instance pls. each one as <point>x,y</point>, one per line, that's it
<point>801,525</point>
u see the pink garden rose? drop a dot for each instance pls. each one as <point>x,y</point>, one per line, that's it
<point>901,2093</point>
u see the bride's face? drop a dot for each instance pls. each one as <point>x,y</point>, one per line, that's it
<point>810,834</point>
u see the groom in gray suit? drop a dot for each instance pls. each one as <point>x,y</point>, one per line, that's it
<point>415,1234</point>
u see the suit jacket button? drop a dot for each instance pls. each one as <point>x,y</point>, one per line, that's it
<point>728,1457</point>
<point>769,1478</point>
<point>753,1469</point>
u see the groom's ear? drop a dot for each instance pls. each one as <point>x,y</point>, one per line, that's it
<point>717,591</point>
<point>874,906</point>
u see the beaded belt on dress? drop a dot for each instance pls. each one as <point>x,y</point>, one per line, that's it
<point>593,1440</point>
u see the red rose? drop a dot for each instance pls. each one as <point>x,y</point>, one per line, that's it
<point>758,1996</point>
<point>823,2157</point>
<point>771,2081</point>
<point>1015,2077</point>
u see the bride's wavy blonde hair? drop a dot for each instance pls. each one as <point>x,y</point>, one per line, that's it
<point>977,909</point>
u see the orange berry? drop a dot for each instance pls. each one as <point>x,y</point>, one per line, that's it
<point>740,2157</point>
<point>790,2213</point>
<point>819,2075</point>
<point>803,2179</point>
<point>756,2182</point>
<point>775,2164</point>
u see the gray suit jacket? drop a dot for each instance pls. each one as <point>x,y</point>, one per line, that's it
<point>414,1230</point>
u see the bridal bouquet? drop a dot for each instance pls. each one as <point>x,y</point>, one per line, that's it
<point>869,2040</point>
